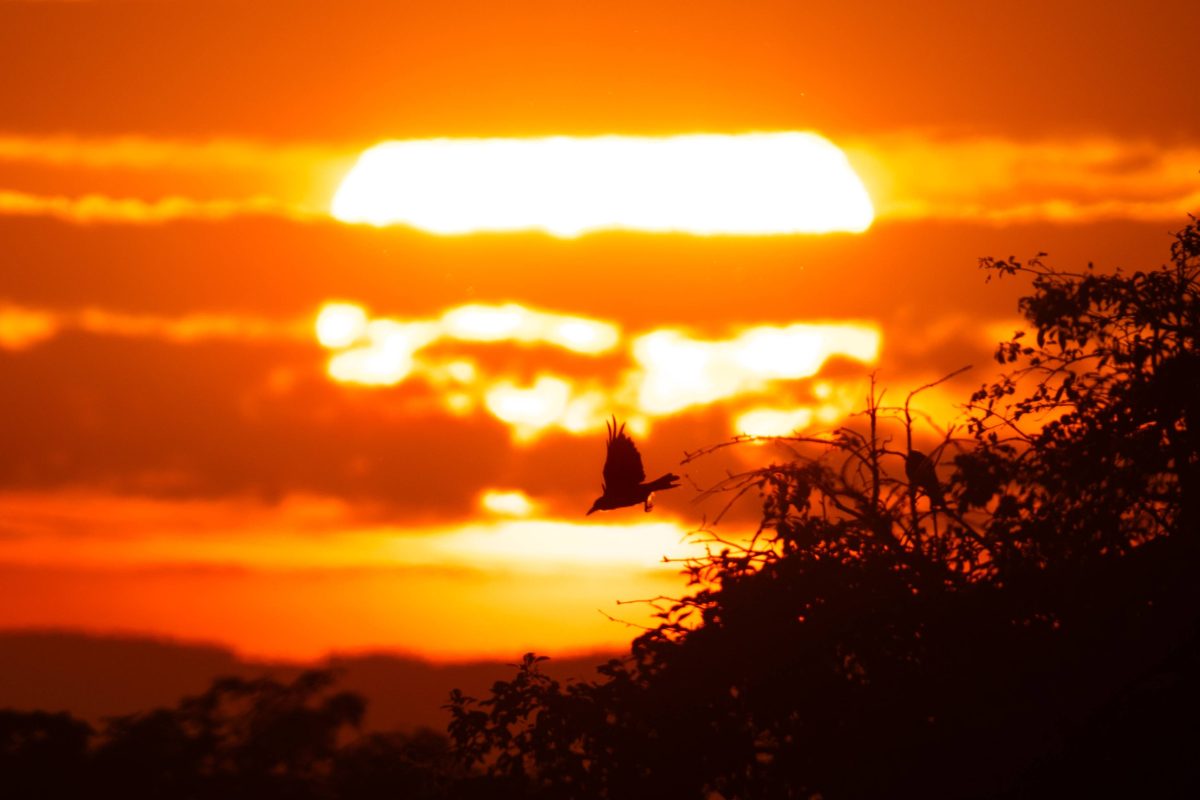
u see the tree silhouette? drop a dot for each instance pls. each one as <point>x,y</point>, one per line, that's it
<point>866,642</point>
<point>263,738</point>
<point>42,755</point>
<point>241,738</point>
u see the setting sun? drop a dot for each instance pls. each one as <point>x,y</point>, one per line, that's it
<point>748,184</point>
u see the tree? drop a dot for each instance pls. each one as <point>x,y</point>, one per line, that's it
<point>256,738</point>
<point>241,738</point>
<point>42,755</point>
<point>875,639</point>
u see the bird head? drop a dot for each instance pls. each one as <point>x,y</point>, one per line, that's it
<point>603,503</point>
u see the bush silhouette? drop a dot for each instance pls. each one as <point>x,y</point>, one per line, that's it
<point>42,755</point>
<point>263,739</point>
<point>964,627</point>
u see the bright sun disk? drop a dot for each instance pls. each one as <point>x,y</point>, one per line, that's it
<point>745,184</point>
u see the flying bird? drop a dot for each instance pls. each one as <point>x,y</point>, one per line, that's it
<point>624,475</point>
<point>921,474</point>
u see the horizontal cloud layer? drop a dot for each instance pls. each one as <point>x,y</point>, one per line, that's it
<point>930,176</point>
<point>434,185</point>
<point>666,371</point>
<point>307,576</point>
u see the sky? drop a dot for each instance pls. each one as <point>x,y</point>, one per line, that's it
<point>231,416</point>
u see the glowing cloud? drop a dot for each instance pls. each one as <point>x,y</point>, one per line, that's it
<point>678,371</point>
<point>747,184</point>
<point>668,369</point>
<point>315,532</point>
<point>536,545</point>
<point>764,421</point>
<point>21,328</point>
<point>512,322</point>
<point>381,351</point>
<point>340,324</point>
<point>773,422</point>
<point>925,175</point>
<point>97,208</point>
<point>529,410</point>
<point>512,503</point>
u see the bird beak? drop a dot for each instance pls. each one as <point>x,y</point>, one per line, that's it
<point>590,510</point>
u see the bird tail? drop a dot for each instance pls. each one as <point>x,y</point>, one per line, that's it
<point>668,481</point>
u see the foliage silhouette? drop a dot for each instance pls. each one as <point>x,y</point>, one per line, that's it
<point>42,755</point>
<point>868,643</point>
<point>260,738</point>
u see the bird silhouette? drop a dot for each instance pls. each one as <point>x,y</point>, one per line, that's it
<point>624,475</point>
<point>919,469</point>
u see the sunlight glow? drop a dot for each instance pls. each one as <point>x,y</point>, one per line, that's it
<point>513,322</point>
<point>743,184</point>
<point>550,544</point>
<point>316,532</point>
<point>773,422</point>
<point>678,371</point>
<point>668,369</point>
<point>299,577</point>
<point>386,358</point>
<point>340,324</point>
<point>513,503</point>
<point>21,328</point>
<point>381,351</point>
<point>539,406</point>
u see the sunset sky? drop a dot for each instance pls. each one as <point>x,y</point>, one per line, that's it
<point>231,416</point>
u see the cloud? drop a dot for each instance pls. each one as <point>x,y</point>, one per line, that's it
<point>309,575</point>
<point>508,503</point>
<point>147,153</point>
<point>915,175</point>
<point>677,371</point>
<point>21,327</point>
<point>89,529</point>
<point>665,371</point>
<point>936,176</point>
<point>225,404</point>
<point>93,208</point>
<point>222,416</point>
<point>144,180</point>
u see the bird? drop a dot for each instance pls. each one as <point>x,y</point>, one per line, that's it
<point>624,474</point>
<point>921,474</point>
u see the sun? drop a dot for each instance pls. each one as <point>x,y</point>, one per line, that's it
<point>703,184</point>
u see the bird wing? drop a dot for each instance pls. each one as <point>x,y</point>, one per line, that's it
<point>623,464</point>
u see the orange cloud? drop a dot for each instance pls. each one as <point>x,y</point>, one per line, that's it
<point>915,175</point>
<point>145,153</point>
<point>22,327</point>
<point>677,371</point>
<point>306,531</point>
<point>668,370</point>
<point>94,208</point>
<point>927,175</point>
<point>508,503</point>
<point>310,574</point>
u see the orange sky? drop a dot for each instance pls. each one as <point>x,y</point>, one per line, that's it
<point>179,457</point>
